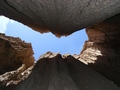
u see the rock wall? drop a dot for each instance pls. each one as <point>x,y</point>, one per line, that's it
<point>102,50</point>
<point>56,72</point>
<point>14,53</point>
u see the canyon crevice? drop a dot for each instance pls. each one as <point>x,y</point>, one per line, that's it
<point>97,67</point>
<point>100,52</point>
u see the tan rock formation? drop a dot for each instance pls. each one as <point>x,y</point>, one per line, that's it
<point>56,72</point>
<point>102,50</point>
<point>14,53</point>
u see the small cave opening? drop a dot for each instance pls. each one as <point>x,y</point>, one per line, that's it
<point>42,43</point>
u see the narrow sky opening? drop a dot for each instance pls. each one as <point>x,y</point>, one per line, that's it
<point>42,43</point>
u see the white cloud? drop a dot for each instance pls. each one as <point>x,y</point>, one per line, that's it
<point>3,23</point>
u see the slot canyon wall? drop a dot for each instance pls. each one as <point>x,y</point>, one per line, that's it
<point>14,53</point>
<point>54,71</point>
<point>101,51</point>
<point>97,67</point>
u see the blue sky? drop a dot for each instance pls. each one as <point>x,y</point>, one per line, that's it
<point>42,43</point>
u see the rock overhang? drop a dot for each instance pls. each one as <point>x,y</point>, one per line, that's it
<point>57,16</point>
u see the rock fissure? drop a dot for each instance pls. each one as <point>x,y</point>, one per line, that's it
<point>7,2</point>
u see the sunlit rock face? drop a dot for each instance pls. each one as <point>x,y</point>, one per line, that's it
<point>14,53</point>
<point>102,50</point>
<point>61,17</point>
<point>56,72</point>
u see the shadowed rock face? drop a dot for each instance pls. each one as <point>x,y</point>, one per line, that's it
<point>56,72</point>
<point>102,50</point>
<point>61,17</point>
<point>14,53</point>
